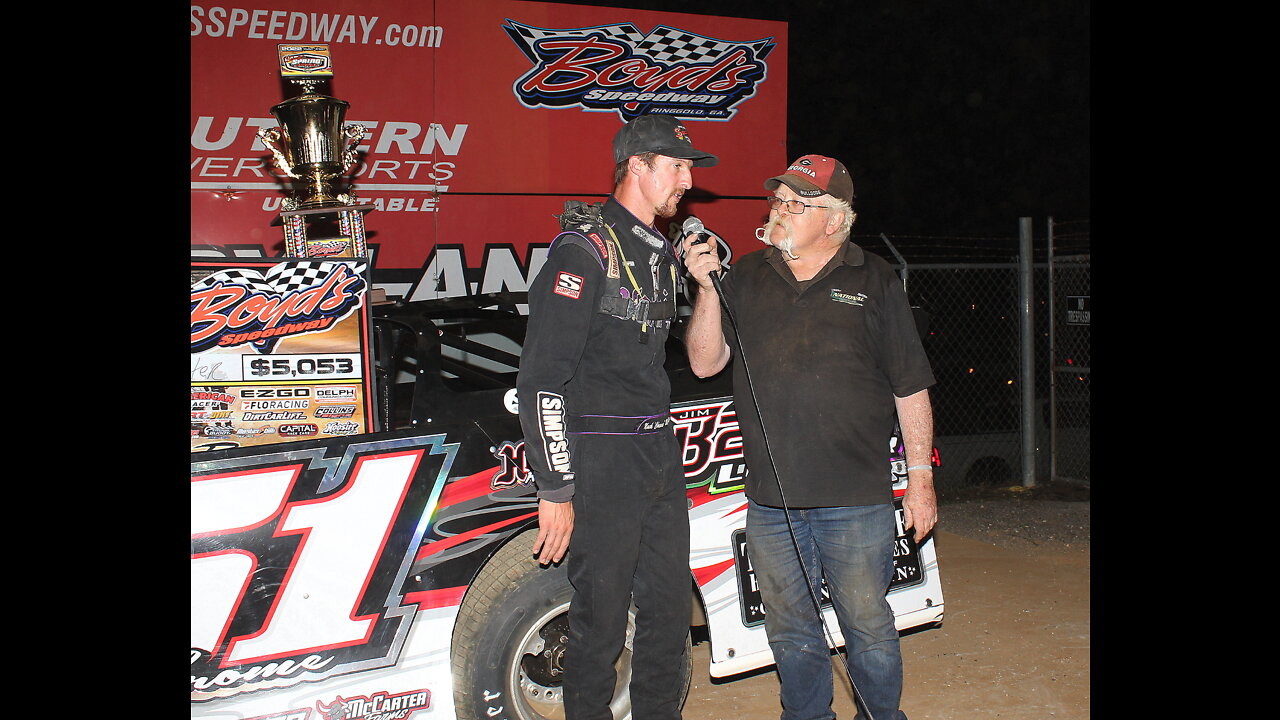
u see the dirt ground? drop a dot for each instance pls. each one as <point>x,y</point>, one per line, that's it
<point>1014,640</point>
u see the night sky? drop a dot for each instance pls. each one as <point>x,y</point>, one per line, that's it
<point>954,118</point>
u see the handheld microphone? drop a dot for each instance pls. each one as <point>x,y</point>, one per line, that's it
<point>694,226</point>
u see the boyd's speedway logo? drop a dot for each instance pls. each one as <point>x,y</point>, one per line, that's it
<point>618,68</point>
<point>240,305</point>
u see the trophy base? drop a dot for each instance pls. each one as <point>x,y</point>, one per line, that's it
<point>349,243</point>
<point>318,188</point>
<point>290,204</point>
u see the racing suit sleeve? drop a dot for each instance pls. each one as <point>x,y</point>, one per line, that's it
<point>562,300</point>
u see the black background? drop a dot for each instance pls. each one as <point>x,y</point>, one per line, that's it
<point>954,118</point>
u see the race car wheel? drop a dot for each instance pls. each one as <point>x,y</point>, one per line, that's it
<point>511,637</point>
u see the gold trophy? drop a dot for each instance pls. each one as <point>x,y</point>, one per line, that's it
<point>315,147</point>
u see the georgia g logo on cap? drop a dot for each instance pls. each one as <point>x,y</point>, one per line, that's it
<point>803,165</point>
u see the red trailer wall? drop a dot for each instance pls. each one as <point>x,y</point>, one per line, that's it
<point>475,135</point>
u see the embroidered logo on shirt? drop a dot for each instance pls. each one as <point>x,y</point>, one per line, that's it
<point>848,298</point>
<point>568,285</point>
<point>604,249</point>
<point>646,236</point>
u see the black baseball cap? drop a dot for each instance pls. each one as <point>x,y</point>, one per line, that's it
<point>660,134</point>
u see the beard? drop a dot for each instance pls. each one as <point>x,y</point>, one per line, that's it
<point>668,208</point>
<point>788,240</point>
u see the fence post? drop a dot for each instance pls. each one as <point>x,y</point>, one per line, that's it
<point>1027,342</point>
<point>1053,374</point>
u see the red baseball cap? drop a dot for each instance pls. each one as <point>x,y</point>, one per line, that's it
<point>814,175</point>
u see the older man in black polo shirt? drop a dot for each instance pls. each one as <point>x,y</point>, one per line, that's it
<point>828,336</point>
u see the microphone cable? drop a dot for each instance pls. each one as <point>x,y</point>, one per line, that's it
<point>695,226</point>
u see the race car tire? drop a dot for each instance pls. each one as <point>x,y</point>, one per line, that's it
<point>511,635</point>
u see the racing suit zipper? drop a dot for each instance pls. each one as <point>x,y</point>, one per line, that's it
<point>654,261</point>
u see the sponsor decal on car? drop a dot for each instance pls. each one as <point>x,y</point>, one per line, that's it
<point>712,445</point>
<point>285,587</point>
<point>379,706</point>
<point>513,467</point>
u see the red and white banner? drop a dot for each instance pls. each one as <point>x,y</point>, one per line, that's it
<point>481,119</point>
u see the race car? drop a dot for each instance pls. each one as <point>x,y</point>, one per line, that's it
<point>390,574</point>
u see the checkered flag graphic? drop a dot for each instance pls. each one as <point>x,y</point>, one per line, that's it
<point>664,44</point>
<point>251,279</point>
<point>302,275</point>
<point>670,45</point>
<point>526,35</point>
<point>282,279</point>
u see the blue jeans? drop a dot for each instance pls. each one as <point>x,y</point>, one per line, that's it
<point>852,547</point>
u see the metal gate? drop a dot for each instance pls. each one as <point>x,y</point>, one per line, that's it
<point>1011,400</point>
<point>1069,381</point>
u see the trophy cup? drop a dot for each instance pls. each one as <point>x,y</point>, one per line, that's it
<point>313,146</point>
<point>316,149</point>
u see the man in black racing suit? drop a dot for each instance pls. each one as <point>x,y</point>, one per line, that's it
<point>595,410</point>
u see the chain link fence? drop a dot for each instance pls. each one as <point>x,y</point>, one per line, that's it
<point>974,339</point>
<point>1069,354</point>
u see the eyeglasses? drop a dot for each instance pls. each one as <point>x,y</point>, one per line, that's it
<point>795,207</point>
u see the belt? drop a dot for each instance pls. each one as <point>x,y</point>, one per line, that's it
<point>618,424</point>
<point>641,311</point>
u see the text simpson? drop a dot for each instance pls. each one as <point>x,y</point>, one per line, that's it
<point>551,420</point>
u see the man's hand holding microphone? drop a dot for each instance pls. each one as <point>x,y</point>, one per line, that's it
<point>704,338</point>
<point>701,255</point>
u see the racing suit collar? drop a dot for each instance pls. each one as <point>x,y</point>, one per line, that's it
<point>625,223</point>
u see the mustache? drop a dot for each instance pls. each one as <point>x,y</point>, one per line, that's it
<point>765,235</point>
<point>763,232</point>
